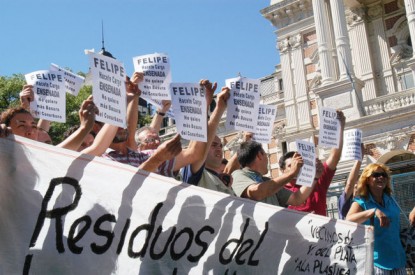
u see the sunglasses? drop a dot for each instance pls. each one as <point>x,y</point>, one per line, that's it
<point>379,174</point>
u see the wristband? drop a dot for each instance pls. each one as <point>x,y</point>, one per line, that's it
<point>160,113</point>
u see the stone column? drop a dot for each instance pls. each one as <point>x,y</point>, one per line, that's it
<point>300,83</point>
<point>321,22</point>
<point>359,41</point>
<point>384,69</point>
<point>410,14</point>
<point>287,77</point>
<point>341,38</point>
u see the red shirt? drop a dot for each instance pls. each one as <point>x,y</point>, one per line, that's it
<point>316,202</point>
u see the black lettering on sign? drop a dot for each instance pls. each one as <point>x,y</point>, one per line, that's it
<point>72,240</point>
<point>57,213</point>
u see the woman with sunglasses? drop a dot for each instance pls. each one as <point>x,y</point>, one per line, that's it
<point>373,205</point>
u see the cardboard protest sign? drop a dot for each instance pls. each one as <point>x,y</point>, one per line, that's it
<point>352,145</point>
<point>73,82</point>
<point>307,173</point>
<point>157,75</point>
<point>329,133</point>
<point>265,123</point>
<point>189,107</point>
<point>90,215</point>
<point>242,112</point>
<point>50,98</point>
<point>108,89</point>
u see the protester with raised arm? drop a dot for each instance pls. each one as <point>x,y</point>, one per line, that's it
<point>346,197</point>
<point>203,172</point>
<point>316,203</point>
<point>123,144</point>
<point>250,182</point>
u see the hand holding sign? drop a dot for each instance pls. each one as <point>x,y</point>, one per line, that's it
<point>331,123</point>
<point>308,170</point>
<point>131,85</point>
<point>26,96</point>
<point>87,113</point>
<point>209,88</point>
<point>223,97</point>
<point>352,146</point>
<point>297,163</point>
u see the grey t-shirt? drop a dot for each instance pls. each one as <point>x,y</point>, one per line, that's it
<point>242,178</point>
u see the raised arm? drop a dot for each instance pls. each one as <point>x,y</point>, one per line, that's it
<point>133,95</point>
<point>26,96</point>
<point>270,187</point>
<point>197,152</point>
<point>302,194</point>
<point>158,117</point>
<point>336,153</point>
<point>233,163</point>
<point>87,114</point>
<point>164,152</point>
<point>352,179</point>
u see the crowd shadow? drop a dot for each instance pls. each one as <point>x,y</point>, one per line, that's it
<point>184,234</point>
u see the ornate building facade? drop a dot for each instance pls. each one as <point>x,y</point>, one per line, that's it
<point>353,55</point>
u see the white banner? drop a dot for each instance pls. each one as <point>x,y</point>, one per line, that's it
<point>242,111</point>
<point>67,213</point>
<point>307,173</point>
<point>329,132</point>
<point>265,123</point>
<point>50,97</point>
<point>352,145</point>
<point>73,82</point>
<point>108,89</point>
<point>189,107</point>
<point>157,75</point>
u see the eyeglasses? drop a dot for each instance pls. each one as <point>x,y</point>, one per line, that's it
<point>151,140</point>
<point>379,174</point>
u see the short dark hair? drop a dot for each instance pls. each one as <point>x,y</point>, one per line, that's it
<point>286,156</point>
<point>224,161</point>
<point>248,151</point>
<point>8,114</point>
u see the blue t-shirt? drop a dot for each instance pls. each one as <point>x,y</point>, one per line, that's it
<point>388,252</point>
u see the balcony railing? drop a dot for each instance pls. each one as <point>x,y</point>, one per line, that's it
<point>390,102</point>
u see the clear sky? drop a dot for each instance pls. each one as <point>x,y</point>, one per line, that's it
<point>213,39</point>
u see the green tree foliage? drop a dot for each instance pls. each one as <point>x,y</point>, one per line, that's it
<point>10,88</point>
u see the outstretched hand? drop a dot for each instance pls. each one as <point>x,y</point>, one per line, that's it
<point>87,113</point>
<point>210,89</point>
<point>26,96</point>
<point>131,84</point>
<point>169,149</point>
<point>223,97</point>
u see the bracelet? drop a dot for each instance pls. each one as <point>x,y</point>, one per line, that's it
<point>160,113</point>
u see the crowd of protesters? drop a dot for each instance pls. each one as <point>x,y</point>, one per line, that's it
<point>365,200</point>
